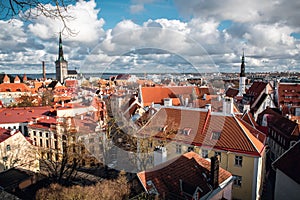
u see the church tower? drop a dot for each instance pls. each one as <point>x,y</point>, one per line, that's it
<point>242,83</point>
<point>61,65</point>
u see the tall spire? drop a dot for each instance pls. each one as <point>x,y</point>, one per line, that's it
<point>60,51</point>
<point>242,74</point>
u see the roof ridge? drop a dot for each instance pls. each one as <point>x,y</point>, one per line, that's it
<point>247,136</point>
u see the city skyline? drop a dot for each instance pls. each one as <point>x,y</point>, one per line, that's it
<point>158,35</point>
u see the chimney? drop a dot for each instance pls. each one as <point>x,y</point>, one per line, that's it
<point>160,155</point>
<point>228,106</point>
<point>168,102</point>
<point>186,103</point>
<point>44,70</point>
<point>208,107</point>
<point>214,172</point>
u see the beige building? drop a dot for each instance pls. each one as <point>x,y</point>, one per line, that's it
<point>17,151</point>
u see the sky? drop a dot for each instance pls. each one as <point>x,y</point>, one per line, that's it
<point>159,36</point>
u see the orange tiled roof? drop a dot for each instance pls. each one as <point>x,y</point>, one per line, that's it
<point>17,79</point>
<point>157,94</point>
<point>234,135</point>
<point>14,87</point>
<point>71,83</point>
<point>6,79</point>
<point>25,78</point>
<point>189,168</point>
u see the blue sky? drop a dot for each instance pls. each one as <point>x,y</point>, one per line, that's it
<point>110,35</point>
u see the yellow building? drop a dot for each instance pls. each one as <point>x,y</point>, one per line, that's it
<point>239,146</point>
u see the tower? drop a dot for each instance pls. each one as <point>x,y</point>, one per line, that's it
<point>61,65</point>
<point>242,83</point>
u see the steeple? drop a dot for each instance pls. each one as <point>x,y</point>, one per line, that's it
<point>60,51</point>
<point>242,74</point>
<point>61,65</point>
<point>242,83</point>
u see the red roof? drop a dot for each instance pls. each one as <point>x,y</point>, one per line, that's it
<point>5,134</point>
<point>157,94</point>
<point>189,169</point>
<point>71,83</point>
<point>231,92</point>
<point>235,135</point>
<point>14,87</point>
<point>19,115</point>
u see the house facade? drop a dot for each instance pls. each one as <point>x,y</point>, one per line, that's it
<point>17,151</point>
<point>239,146</point>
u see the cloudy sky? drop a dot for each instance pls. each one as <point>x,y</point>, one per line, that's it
<point>159,36</point>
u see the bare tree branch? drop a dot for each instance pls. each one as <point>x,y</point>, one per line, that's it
<point>31,9</point>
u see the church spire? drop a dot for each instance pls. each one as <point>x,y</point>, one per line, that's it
<point>242,83</point>
<point>60,51</point>
<point>242,74</point>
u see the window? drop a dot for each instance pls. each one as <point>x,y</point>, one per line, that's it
<point>237,180</point>
<point>186,131</point>
<point>178,148</point>
<point>8,147</point>
<point>190,148</point>
<point>215,135</point>
<point>218,154</point>
<point>4,158</point>
<point>41,134</point>
<point>238,161</point>
<point>47,143</point>
<point>204,153</point>
<point>47,135</point>
<point>41,142</point>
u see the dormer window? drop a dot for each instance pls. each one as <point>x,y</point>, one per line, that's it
<point>8,147</point>
<point>186,131</point>
<point>215,135</point>
<point>163,129</point>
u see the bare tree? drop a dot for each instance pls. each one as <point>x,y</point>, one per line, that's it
<point>107,189</point>
<point>30,9</point>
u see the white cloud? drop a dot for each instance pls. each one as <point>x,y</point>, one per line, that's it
<point>257,26</point>
<point>84,23</point>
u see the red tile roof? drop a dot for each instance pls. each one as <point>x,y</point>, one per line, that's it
<point>71,83</point>
<point>157,94</point>
<point>189,168</point>
<point>19,115</point>
<point>235,135</point>
<point>5,134</point>
<point>289,163</point>
<point>231,92</point>
<point>248,117</point>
